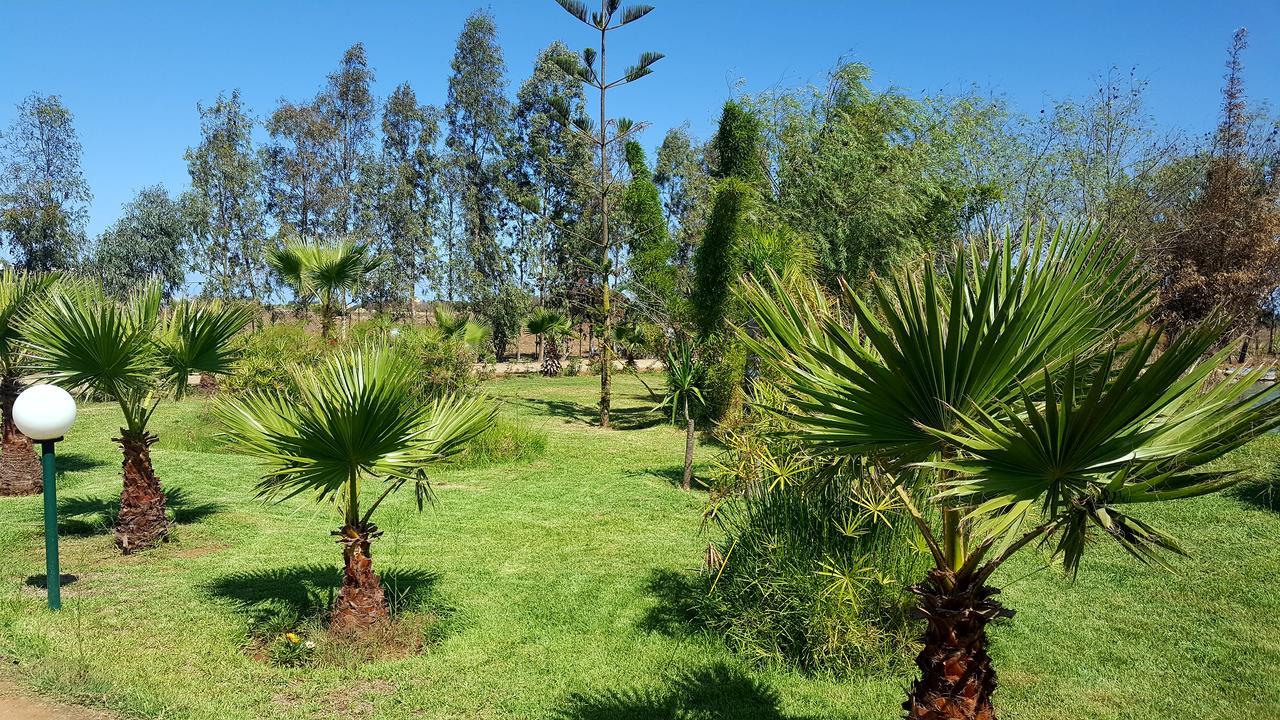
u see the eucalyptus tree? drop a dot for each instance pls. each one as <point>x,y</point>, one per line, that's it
<point>224,205</point>
<point>134,355</point>
<point>327,272</point>
<point>20,472</point>
<point>355,434</point>
<point>685,186</point>
<point>1017,398</point>
<point>477,114</point>
<point>150,240</point>
<point>611,16</point>
<point>43,193</point>
<point>349,108</point>
<point>301,173</point>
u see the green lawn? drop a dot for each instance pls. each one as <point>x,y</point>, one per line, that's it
<point>544,571</point>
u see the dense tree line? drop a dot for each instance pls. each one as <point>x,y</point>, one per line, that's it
<point>503,201</point>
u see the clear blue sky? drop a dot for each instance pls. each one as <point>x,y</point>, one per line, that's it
<point>132,72</point>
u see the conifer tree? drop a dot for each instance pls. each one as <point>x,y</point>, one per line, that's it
<point>610,17</point>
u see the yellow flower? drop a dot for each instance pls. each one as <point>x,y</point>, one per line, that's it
<point>293,638</point>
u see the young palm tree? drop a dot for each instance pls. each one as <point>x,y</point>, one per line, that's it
<point>685,374</point>
<point>355,435</point>
<point>1014,394</point>
<point>134,355</point>
<point>325,272</point>
<point>551,326</point>
<point>459,327</point>
<point>19,465</point>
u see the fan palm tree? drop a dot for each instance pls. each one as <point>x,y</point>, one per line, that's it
<point>19,466</point>
<point>1015,395</point>
<point>326,272</point>
<point>133,354</point>
<point>551,327</point>
<point>459,327</point>
<point>355,434</point>
<point>685,375</point>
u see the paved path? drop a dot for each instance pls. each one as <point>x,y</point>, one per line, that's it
<point>19,704</point>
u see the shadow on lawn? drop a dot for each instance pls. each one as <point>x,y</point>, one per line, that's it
<point>79,462</point>
<point>717,691</point>
<point>93,515</point>
<point>621,418</point>
<point>673,614</point>
<point>308,590</point>
<point>1263,494</point>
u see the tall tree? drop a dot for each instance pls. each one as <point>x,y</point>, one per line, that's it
<point>349,108</point>
<point>224,205</point>
<point>477,115</point>
<point>301,169</point>
<point>650,248</point>
<point>407,198</point>
<point>610,17</point>
<point>548,161</point>
<point>685,185</point>
<point>43,193</point>
<point>1222,252</point>
<point>148,242</point>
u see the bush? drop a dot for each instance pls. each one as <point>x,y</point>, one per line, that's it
<point>267,356</point>
<point>446,365</point>
<point>726,362</point>
<point>506,441</point>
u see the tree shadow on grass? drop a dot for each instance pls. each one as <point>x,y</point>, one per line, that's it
<point>79,462</point>
<point>621,418</point>
<point>308,590</point>
<point>717,691</point>
<point>83,516</point>
<point>673,614</point>
<point>1264,494</point>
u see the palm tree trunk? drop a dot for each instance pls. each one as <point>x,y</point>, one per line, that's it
<point>957,679</point>
<point>142,523</point>
<point>687,483</point>
<point>19,465</point>
<point>551,360</point>
<point>361,603</point>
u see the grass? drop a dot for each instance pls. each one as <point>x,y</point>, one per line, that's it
<point>546,567</point>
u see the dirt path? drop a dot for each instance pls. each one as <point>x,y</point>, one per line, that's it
<point>17,703</point>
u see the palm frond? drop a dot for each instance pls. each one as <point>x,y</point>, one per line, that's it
<point>197,338</point>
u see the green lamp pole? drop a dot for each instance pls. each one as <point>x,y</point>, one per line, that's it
<point>44,413</point>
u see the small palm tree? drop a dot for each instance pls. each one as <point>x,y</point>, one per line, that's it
<point>355,434</point>
<point>457,326</point>
<point>685,375</point>
<point>1017,396</point>
<point>19,466</point>
<point>551,326</point>
<point>135,355</point>
<point>326,272</point>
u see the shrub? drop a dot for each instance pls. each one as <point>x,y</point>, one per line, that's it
<point>507,441</point>
<point>267,355</point>
<point>445,365</point>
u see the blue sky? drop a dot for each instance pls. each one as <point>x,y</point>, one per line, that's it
<point>133,72</point>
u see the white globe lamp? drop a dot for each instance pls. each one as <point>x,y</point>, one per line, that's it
<point>44,413</point>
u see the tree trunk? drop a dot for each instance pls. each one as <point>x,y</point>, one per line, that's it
<point>19,464</point>
<point>551,360</point>
<point>687,483</point>
<point>142,523</point>
<point>361,603</point>
<point>957,679</point>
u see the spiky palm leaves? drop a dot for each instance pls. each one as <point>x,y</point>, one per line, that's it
<point>552,327</point>
<point>354,435</point>
<point>19,466</point>
<point>1010,390</point>
<point>685,376</point>
<point>455,326</point>
<point>134,354</point>
<point>324,271</point>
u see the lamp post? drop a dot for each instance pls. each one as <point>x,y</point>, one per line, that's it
<point>44,413</point>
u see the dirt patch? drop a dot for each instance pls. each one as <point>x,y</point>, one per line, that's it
<point>17,703</point>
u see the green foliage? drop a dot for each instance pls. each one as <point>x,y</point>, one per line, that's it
<point>736,148</point>
<point>148,242</point>
<point>267,355</point>
<point>504,312</point>
<point>685,377</point>
<point>327,272</point>
<point>356,419</point>
<point>716,260</point>
<point>652,251</point>
<point>20,291</point>
<point>506,441</point>
<point>442,365</point>
<point>726,363</point>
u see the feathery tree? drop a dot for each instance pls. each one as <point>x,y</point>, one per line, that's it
<point>1015,395</point>
<point>354,435</point>
<point>326,272</point>
<point>224,205</point>
<point>43,193</point>
<point>20,472</point>
<point>303,191</point>
<point>650,248</point>
<point>133,354</point>
<point>348,106</point>
<point>408,195</point>
<point>148,241</point>
<point>610,17</point>
<point>477,116</point>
